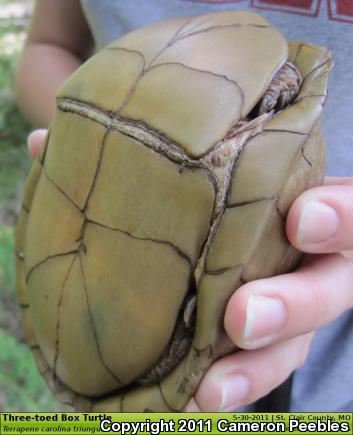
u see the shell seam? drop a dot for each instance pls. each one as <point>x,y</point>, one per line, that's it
<point>95,335</point>
<point>58,310</point>
<point>164,242</point>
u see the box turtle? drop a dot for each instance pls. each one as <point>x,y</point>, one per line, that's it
<point>163,186</point>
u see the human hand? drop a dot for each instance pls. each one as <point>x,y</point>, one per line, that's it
<point>274,319</point>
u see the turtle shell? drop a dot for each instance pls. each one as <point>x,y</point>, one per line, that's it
<point>155,197</point>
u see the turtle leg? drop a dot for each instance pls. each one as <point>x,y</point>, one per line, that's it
<point>282,90</point>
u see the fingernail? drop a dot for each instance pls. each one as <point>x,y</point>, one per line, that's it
<point>235,388</point>
<point>265,316</point>
<point>318,223</point>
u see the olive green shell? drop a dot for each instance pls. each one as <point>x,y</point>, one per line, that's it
<point>140,198</point>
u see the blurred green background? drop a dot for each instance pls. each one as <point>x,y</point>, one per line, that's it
<point>21,387</point>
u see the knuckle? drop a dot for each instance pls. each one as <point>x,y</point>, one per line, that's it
<point>320,301</point>
<point>349,265</point>
<point>303,350</point>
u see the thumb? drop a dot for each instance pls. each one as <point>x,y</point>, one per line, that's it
<point>35,141</point>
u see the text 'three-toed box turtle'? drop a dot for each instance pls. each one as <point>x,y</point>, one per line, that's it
<point>167,174</point>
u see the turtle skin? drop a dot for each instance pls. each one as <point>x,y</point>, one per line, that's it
<point>156,187</point>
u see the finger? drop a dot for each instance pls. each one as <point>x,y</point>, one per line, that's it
<point>348,254</point>
<point>35,141</point>
<point>273,309</point>
<point>320,220</point>
<point>192,406</point>
<point>338,181</point>
<point>245,376</point>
